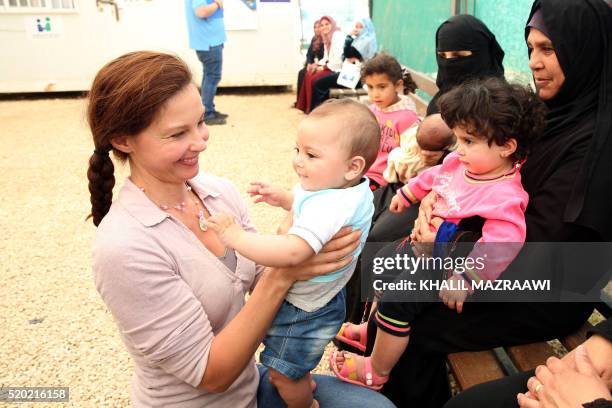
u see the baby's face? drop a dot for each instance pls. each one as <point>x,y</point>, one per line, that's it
<point>321,160</point>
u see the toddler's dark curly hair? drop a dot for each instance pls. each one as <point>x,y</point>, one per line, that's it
<point>496,110</point>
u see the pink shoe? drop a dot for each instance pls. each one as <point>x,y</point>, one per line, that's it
<point>363,335</point>
<point>350,374</point>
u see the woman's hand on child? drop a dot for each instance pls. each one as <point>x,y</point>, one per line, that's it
<point>426,207</point>
<point>271,195</point>
<point>225,227</point>
<point>397,205</point>
<point>454,299</point>
<point>334,255</point>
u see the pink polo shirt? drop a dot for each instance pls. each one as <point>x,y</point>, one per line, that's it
<point>170,296</point>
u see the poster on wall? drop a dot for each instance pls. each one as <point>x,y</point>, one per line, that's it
<point>240,14</point>
<point>44,27</point>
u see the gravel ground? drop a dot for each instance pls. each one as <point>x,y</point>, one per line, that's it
<point>55,329</point>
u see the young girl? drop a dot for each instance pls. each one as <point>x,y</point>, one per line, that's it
<point>495,123</point>
<point>387,83</point>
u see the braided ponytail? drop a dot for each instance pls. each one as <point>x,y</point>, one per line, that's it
<point>101,182</point>
<point>124,100</point>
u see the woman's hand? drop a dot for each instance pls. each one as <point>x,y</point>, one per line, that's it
<point>333,256</point>
<point>558,385</point>
<point>422,231</point>
<point>426,207</point>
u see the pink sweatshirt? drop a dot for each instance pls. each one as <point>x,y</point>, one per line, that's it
<point>394,120</point>
<point>501,202</point>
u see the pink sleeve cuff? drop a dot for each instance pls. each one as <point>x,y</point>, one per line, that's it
<point>406,199</point>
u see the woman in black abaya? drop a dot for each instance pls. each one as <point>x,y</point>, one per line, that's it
<point>568,176</point>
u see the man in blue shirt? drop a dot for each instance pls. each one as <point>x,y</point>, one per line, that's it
<point>206,36</point>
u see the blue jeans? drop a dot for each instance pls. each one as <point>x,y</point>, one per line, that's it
<point>330,393</point>
<point>297,339</point>
<point>212,62</point>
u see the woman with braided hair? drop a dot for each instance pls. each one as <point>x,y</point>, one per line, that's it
<point>176,293</point>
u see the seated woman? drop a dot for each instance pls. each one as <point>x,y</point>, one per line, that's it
<point>465,49</point>
<point>582,378</point>
<point>313,55</point>
<point>359,46</point>
<point>568,178</point>
<point>176,293</point>
<point>333,44</point>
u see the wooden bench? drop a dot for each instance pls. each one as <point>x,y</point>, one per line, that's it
<point>472,368</point>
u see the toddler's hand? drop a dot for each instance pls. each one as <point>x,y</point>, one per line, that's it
<point>454,299</point>
<point>225,227</point>
<point>272,195</point>
<point>397,205</point>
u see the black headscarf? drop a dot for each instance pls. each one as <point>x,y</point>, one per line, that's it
<point>465,32</point>
<point>576,152</point>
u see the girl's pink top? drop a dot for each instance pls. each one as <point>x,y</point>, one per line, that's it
<point>501,202</point>
<point>393,120</point>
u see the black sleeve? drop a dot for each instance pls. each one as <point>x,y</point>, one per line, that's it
<point>349,50</point>
<point>604,329</point>
<point>310,56</point>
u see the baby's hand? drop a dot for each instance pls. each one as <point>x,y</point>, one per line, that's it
<point>454,299</point>
<point>272,195</point>
<point>397,205</point>
<point>225,227</point>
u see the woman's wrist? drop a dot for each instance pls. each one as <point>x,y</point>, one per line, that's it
<point>277,279</point>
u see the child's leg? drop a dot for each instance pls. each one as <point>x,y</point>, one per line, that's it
<point>387,351</point>
<point>295,393</point>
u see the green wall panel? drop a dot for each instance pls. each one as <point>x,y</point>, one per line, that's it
<point>406,29</point>
<point>506,19</point>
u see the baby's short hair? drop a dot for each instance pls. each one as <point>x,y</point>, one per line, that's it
<point>434,134</point>
<point>360,131</point>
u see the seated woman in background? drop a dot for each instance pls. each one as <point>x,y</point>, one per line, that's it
<point>333,45</point>
<point>359,46</point>
<point>313,55</point>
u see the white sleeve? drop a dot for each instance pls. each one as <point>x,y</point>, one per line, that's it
<point>336,52</point>
<point>315,229</point>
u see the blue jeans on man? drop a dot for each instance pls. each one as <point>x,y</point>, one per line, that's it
<point>212,62</point>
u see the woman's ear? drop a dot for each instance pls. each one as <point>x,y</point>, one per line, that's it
<point>121,143</point>
<point>356,167</point>
<point>509,147</point>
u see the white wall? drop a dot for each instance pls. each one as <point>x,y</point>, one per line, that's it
<point>87,38</point>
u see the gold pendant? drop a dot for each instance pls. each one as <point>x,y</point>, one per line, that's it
<point>202,223</point>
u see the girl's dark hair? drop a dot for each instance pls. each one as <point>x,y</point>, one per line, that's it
<point>497,110</point>
<point>384,63</point>
<point>125,98</point>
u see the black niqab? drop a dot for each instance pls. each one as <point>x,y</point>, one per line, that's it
<point>578,126</point>
<point>465,32</point>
